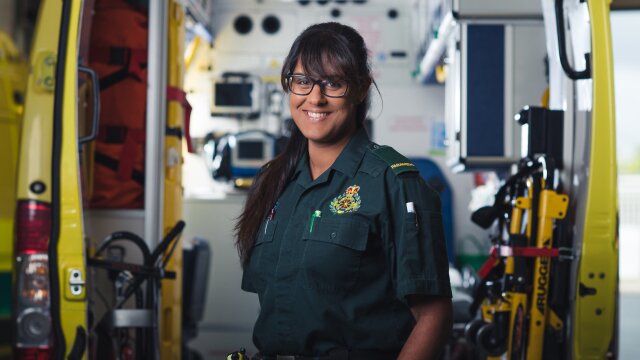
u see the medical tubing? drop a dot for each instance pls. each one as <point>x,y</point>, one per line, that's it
<point>173,233</point>
<point>164,244</point>
<point>125,235</point>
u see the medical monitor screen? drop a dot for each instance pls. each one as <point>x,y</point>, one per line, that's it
<point>251,150</point>
<point>233,94</point>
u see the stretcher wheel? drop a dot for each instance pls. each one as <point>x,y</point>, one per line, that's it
<point>487,341</point>
<point>471,330</point>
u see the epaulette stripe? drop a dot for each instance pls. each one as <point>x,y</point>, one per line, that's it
<point>397,162</point>
<point>401,164</point>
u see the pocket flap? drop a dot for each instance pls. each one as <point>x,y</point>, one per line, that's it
<point>266,232</point>
<point>349,233</point>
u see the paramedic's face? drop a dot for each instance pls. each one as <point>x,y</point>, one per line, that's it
<point>323,120</point>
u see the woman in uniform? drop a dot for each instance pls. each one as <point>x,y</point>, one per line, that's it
<point>341,238</point>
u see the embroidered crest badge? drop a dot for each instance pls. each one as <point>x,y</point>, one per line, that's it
<point>347,202</point>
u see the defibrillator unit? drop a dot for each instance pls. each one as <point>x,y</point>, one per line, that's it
<point>241,155</point>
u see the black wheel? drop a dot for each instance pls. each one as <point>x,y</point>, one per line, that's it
<point>471,330</point>
<point>488,342</point>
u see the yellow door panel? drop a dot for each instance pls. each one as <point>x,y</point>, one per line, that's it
<point>48,160</point>
<point>71,255</point>
<point>37,128</point>
<point>598,268</point>
<point>171,299</point>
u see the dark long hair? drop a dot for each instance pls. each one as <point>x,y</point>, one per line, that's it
<point>319,47</point>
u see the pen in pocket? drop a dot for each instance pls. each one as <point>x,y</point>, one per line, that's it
<point>271,216</point>
<point>412,210</point>
<point>316,214</point>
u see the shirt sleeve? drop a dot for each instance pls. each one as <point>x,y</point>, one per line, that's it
<point>247,283</point>
<point>418,253</point>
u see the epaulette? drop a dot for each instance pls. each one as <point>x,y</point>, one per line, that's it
<point>398,162</point>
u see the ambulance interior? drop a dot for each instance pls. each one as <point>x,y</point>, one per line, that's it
<point>451,75</point>
<point>249,44</point>
<point>410,114</point>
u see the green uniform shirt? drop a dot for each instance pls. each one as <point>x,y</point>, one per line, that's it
<point>333,263</point>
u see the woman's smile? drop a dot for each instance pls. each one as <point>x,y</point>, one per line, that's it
<point>315,116</point>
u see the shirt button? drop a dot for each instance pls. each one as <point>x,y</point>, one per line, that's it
<point>333,235</point>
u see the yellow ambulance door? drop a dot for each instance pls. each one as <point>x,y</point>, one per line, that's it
<point>68,249</point>
<point>596,305</point>
<point>177,118</point>
<point>49,229</point>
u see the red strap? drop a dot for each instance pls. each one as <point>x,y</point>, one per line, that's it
<point>525,251</point>
<point>176,94</point>
<point>529,251</point>
<point>489,264</point>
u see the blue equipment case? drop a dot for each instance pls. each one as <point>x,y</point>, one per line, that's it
<point>431,173</point>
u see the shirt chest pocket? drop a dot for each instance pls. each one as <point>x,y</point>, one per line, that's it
<point>260,264</point>
<point>333,253</point>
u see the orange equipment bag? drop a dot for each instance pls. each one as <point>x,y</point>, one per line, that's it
<point>118,53</point>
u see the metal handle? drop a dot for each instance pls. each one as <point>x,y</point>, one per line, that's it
<point>562,50</point>
<point>96,104</point>
<point>548,165</point>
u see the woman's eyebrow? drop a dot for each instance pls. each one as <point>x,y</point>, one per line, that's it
<point>332,77</point>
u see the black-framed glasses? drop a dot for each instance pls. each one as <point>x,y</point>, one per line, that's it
<point>303,85</point>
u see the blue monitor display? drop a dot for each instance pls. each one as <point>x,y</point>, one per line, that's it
<point>251,150</point>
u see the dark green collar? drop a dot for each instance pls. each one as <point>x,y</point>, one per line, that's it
<point>348,160</point>
<point>351,156</point>
<point>303,164</point>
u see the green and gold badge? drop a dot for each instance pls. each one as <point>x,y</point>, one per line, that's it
<point>347,202</point>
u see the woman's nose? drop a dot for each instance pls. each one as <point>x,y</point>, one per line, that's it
<point>316,96</point>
